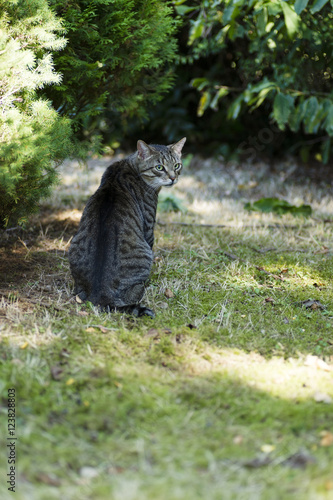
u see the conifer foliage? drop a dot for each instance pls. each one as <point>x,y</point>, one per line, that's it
<point>117,60</point>
<point>33,138</point>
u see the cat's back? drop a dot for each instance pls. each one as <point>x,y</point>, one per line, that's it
<point>119,174</point>
<point>119,183</point>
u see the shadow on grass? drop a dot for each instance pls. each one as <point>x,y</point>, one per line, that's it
<point>167,427</point>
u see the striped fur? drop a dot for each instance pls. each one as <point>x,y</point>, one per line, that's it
<point>111,254</point>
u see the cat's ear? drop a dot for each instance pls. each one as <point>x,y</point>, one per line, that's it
<point>178,146</point>
<point>144,151</point>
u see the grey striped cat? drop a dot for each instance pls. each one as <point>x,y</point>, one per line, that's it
<point>111,254</point>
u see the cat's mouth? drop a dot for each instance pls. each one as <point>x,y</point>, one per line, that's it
<point>171,183</point>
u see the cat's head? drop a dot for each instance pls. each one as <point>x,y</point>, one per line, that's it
<point>160,165</point>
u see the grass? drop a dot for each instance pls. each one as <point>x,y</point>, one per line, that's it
<point>226,394</point>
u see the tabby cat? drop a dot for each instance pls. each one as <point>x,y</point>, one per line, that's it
<point>111,254</point>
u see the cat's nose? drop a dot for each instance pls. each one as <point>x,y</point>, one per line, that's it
<point>172,177</point>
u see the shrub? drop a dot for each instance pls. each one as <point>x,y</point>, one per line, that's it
<point>33,138</point>
<point>115,64</point>
<point>252,75</point>
<point>266,56</point>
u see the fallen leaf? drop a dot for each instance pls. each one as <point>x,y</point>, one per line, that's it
<point>152,332</point>
<point>312,304</point>
<point>49,479</point>
<point>83,313</point>
<point>90,329</point>
<point>323,250</point>
<point>24,345</point>
<point>70,381</point>
<point>88,472</point>
<point>247,186</point>
<point>269,299</point>
<point>163,305</point>
<point>78,300</point>
<point>103,329</point>
<point>321,397</point>
<point>317,363</point>
<point>168,293</point>
<point>267,448</point>
<point>326,438</point>
<point>299,460</point>
<point>191,327</point>
<point>238,439</point>
<point>56,372</point>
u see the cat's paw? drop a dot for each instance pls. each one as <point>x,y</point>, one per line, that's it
<point>135,310</point>
<point>139,311</point>
<point>145,311</point>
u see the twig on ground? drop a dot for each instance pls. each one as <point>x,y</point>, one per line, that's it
<point>231,256</point>
<point>277,225</point>
<point>283,250</point>
<point>263,250</point>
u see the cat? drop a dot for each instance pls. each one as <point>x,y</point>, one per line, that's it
<point>111,254</point>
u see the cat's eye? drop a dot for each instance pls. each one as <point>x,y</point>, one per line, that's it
<point>159,168</point>
<point>178,166</point>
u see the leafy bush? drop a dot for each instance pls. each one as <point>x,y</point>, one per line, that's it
<point>266,53</point>
<point>254,75</point>
<point>278,206</point>
<point>33,138</point>
<point>115,64</point>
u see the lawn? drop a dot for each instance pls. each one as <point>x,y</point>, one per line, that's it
<point>226,394</point>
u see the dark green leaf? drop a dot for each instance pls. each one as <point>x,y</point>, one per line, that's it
<point>262,21</point>
<point>199,83</point>
<point>318,5</point>
<point>219,94</point>
<point>310,111</point>
<point>300,5</point>
<point>291,19</point>
<point>295,119</point>
<point>278,206</point>
<point>196,31</point>
<point>282,107</point>
<point>183,9</point>
<point>230,12</point>
<point>328,125</point>
<point>325,150</point>
<point>235,108</point>
<point>170,203</point>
